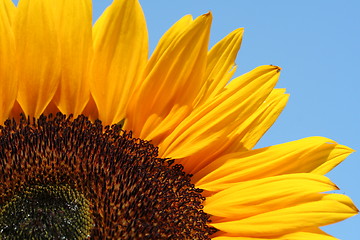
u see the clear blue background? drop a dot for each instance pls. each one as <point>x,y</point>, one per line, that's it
<point>317,43</point>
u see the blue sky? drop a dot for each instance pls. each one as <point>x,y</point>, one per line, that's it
<point>317,43</point>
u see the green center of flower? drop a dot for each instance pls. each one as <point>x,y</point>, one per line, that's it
<point>64,178</point>
<point>47,212</point>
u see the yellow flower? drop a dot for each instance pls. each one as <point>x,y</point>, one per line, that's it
<point>181,99</point>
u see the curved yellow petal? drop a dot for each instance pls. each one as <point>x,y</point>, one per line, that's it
<point>91,110</point>
<point>245,134</point>
<point>249,132</point>
<point>168,39</point>
<point>207,123</point>
<point>325,211</point>
<point>157,127</point>
<point>75,33</point>
<point>8,85</point>
<point>291,236</point>
<point>304,155</point>
<point>335,158</point>
<point>174,78</point>
<point>8,11</point>
<point>249,198</point>
<point>120,54</point>
<point>220,66</point>
<point>257,125</point>
<point>37,55</point>
<point>307,236</point>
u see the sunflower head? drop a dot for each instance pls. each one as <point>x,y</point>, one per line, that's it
<point>159,147</point>
<point>65,178</point>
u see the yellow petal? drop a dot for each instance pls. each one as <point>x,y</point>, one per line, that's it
<point>8,11</point>
<point>244,136</point>
<point>304,155</point>
<point>335,158</point>
<point>8,85</point>
<point>307,236</point>
<point>327,210</point>
<point>75,33</point>
<point>91,110</point>
<point>157,128</point>
<point>221,64</point>
<point>37,55</point>
<point>209,122</point>
<point>120,54</point>
<point>249,132</point>
<point>254,197</point>
<point>290,236</point>
<point>257,125</point>
<point>175,75</point>
<point>168,39</point>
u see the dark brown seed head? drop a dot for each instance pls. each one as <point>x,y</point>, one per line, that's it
<point>47,212</point>
<point>78,180</point>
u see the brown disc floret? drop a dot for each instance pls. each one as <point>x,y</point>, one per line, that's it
<point>110,185</point>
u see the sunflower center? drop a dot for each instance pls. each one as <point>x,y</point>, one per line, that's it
<point>64,178</point>
<point>47,212</point>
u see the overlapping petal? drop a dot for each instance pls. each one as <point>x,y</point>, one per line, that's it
<point>8,85</point>
<point>184,101</point>
<point>206,123</point>
<point>314,154</point>
<point>75,37</point>
<point>250,132</point>
<point>292,194</point>
<point>249,198</point>
<point>37,56</point>
<point>120,53</point>
<point>303,235</point>
<point>169,38</point>
<point>173,77</point>
<point>244,136</point>
<point>219,69</point>
<point>323,211</point>
<point>220,65</point>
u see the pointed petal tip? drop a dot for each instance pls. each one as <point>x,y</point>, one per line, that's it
<point>278,69</point>
<point>280,91</point>
<point>240,30</point>
<point>346,149</point>
<point>189,17</point>
<point>207,16</point>
<point>350,150</point>
<point>270,68</point>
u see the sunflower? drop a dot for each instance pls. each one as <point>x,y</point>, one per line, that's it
<point>99,141</point>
